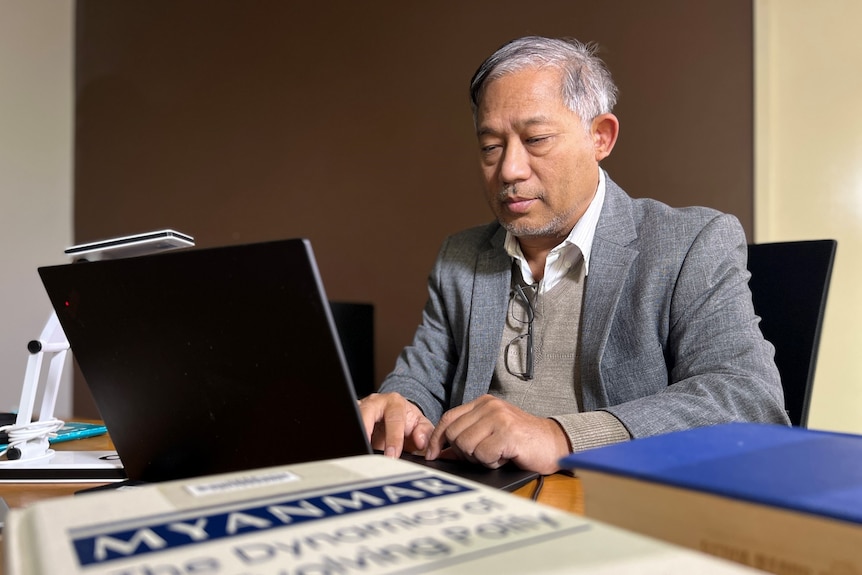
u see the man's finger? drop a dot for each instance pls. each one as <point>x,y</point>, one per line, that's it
<point>383,416</point>
<point>394,424</point>
<point>438,440</point>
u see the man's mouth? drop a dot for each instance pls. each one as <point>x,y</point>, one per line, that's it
<point>519,205</point>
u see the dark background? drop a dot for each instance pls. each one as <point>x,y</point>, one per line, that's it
<point>349,123</point>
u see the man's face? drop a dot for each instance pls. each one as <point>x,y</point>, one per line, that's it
<point>539,162</point>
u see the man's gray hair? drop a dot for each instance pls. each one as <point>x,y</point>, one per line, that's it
<point>588,89</point>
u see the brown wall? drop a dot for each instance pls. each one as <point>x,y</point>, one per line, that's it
<point>348,123</point>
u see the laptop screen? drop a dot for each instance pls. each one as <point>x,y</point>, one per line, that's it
<point>210,360</point>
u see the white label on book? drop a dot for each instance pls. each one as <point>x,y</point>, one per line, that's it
<point>239,483</point>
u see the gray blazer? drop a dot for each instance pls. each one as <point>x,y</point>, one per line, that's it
<point>669,339</point>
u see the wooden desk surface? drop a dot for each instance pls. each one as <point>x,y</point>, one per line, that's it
<point>560,491</point>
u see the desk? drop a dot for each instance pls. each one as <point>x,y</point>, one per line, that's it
<point>560,491</point>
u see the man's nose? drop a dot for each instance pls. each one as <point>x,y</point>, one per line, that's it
<point>515,165</point>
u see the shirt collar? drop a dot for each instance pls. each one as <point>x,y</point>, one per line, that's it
<point>580,237</point>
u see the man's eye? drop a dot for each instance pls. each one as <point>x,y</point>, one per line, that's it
<point>489,149</point>
<point>538,140</point>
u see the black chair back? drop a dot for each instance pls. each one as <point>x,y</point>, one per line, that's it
<point>355,325</point>
<point>789,284</point>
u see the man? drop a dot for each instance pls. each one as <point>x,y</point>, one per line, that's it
<point>581,317</point>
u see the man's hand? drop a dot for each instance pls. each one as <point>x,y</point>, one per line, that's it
<point>492,432</point>
<point>393,424</point>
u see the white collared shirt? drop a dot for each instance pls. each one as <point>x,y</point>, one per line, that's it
<point>564,256</point>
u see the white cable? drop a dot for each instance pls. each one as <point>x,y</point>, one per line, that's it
<point>35,432</point>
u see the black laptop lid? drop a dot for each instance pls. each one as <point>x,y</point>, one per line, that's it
<point>211,360</point>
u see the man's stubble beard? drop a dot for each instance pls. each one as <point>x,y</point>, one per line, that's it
<point>554,228</point>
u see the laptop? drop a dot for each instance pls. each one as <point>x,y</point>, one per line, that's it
<point>211,360</point>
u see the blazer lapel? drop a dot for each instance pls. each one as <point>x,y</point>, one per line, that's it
<point>610,262</point>
<point>490,299</point>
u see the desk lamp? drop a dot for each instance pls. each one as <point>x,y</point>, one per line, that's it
<point>28,439</point>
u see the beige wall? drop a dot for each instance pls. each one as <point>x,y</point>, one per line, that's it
<point>808,167</point>
<point>35,174</point>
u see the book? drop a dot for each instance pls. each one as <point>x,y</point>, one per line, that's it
<point>362,514</point>
<point>66,467</point>
<point>780,499</point>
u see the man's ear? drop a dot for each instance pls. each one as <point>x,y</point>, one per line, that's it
<point>604,129</point>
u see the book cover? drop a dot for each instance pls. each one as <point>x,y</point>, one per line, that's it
<point>770,496</point>
<point>800,469</point>
<point>364,514</point>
